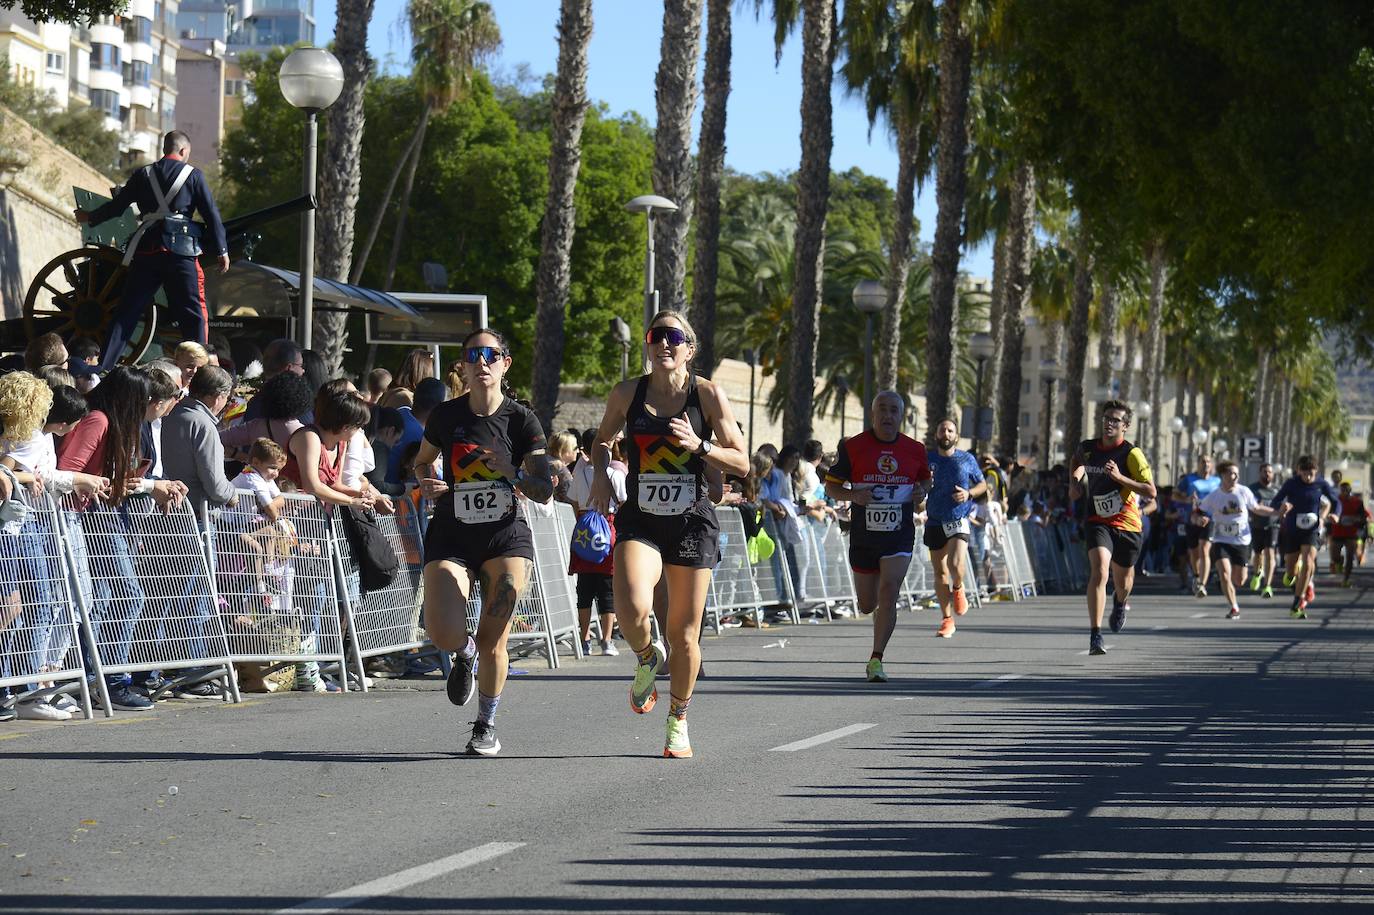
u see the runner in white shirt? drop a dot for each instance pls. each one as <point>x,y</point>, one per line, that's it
<point>1226,513</point>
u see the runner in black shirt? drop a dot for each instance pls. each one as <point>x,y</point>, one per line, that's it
<point>489,443</point>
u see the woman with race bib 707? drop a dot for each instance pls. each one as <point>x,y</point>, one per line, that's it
<point>667,527</point>
<point>491,445</point>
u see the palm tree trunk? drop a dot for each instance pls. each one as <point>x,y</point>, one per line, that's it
<point>1106,344</point>
<point>997,312</point>
<point>556,231</point>
<point>1154,354</point>
<point>341,172</point>
<point>355,274</point>
<point>1261,388</point>
<point>1078,340</point>
<point>951,178</point>
<point>406,190</point>
<point>1020,252</point>
<point>676,92</point>
<point>899,253</point>
<point>813,199</point>
<point>1128,364</point>
<point>710,167</point>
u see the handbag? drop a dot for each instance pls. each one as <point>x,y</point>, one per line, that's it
<point>761,547</point>
<point>377,562</point>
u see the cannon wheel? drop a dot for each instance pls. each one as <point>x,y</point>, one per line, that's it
<point>77,293</point>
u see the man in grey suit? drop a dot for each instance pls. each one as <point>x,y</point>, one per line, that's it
<point>191,450</point>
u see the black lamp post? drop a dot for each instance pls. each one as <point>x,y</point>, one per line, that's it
<point>752,358</point>
<point>620,331</point>
<point>842,385</point>
<point>980,348</point>
<point>1050,372</point>
<point>870,298</point>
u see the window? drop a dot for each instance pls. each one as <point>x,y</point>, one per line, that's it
<point>106,100</point>
<point>1360,429</point>
<point>1025,419</point>
<point>233,87</point>
<point>57,63</point>
<point>143,73</point>
<point>138,28</point>
<point>1025,385</point>
<point>105,57</point>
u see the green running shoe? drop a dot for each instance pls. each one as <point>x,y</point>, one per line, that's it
<point>1298,613</point>
<point>875,671</point>
<point>643,692</point>
<point>677,746</point>
<point>1288,580</point>
<point>1267,592</point>
<point>1255,581</point>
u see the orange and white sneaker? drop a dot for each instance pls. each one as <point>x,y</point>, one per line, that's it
<point>677,746</point>
<point>946,629</point>
<point>960,602</point>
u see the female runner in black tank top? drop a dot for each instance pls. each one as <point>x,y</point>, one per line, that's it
<point>667,527</point>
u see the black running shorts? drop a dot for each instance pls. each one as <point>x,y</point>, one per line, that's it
<point>1198,534</point>
<point>1292,538</point>
<point>1125,545</point>
<point>935,538</point>
<point>1263,536</point>
<point>1238,554</point>
<point>691,539</point>
<point>595,588</point>
<point>866,559</point>
<point>447,539</point>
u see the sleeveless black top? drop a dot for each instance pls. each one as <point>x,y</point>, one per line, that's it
<point>664,477</point>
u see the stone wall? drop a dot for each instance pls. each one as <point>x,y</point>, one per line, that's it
<point>36,223</point>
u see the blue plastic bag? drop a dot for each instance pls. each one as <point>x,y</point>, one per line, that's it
<point>592,537</point>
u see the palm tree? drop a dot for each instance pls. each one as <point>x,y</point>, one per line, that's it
<point>1154,355</point>
<point>1019,255</point>
<point>710,167</point>
<point>889,57</point>
<point>955,58</point>
<point>676,94</point>
<point>1078,335</point>
<point>560,217</point>
<point>341,171</point>
<point>451,38</point>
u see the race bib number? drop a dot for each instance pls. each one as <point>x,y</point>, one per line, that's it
<point>667,493</point>
<point>1228,528</point>
<point>879,517</point>
<point>1107,505</point>
<point>954,528</point>
<point>1307,520</point>
<point>483,503</point>
<point>1183,530</point>
<point>1350,520</point>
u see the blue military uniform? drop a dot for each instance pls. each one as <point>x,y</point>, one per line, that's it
<point>152,264</point>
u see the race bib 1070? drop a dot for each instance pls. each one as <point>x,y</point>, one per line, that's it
<point>883,517</point>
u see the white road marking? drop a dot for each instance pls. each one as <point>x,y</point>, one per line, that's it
<point>383,886</point>
<point>1158,628</point>
<point>819,739</point>
<point>1005,678</point>
<point>1199,616</point>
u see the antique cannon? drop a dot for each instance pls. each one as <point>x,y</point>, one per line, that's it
<point>77,293</point>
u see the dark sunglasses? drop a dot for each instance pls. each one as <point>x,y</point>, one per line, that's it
<point>657,335</point>
<point>488,354</point>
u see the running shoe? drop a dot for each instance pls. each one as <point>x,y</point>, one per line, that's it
<point>1267,592</point>
<point>946,629</point>
<point>608,648</point>
<point>677,746</point>
<point>1200,592</point>
<point>461,685</point>
<point>960,602</point>
<point>1095,645</point>
<point>1345,582</point>
<point>1310,594</point>
<point>1118,617</point>
<point>875,671</point>
<point>643,692</point>
<point>1255,581</point>
<point>1234,614</point>
<point>483,742</point>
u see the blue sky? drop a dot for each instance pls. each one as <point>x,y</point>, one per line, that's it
<point>763,121</point>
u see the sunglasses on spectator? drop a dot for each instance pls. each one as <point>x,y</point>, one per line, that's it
<point>673,335</point>
<point>488,354</point>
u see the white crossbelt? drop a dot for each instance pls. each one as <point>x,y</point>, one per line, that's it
<point>162,211</point>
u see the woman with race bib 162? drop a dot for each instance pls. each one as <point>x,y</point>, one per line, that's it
<point>491,445</point>
<point>667,527</point>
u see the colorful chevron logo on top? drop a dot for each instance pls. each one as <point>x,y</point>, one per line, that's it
<point>660,454</point>
<point>465,463</point>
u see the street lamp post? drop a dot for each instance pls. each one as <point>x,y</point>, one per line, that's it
<point>980,348</point>
<point>870,298</point>
<point>1176,425</point>
<point>842,385</point>
<point>648,204</point>
<point>1050,372</point>
<point>620,332</point>
<point>1143,410</point>
<point>311,80</point>
<point>751,357</point>
<point>1200,436</point>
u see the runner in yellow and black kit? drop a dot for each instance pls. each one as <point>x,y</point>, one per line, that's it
<point>667,527</point>
<point>1117,475</point>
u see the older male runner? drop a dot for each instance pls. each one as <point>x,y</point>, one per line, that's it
<point>883,473</point>
<point>1116,475</point>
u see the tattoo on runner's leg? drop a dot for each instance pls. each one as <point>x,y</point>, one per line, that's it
<point>503,601</point>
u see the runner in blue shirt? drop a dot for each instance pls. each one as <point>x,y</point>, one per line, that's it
<point>1193,488</point>
<point>1302,510</point>
<point>957,483</point>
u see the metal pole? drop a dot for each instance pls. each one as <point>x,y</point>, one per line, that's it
<point>1049,411</point>
<point>624,361</point>
<point>978,402</point>
<point>751,405</point>
<point>650,294</point>
<point>307,292</point>
<point>868,368</point>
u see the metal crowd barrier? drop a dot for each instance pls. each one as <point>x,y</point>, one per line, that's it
<point>39,630</point>
<point>734,589</point>
<point>145,592</point>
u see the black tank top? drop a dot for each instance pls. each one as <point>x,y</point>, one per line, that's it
<point>664,477</point>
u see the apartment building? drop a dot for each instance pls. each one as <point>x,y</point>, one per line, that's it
<point>123,66</point>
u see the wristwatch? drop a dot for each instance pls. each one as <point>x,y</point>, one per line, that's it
<point>704,448</point>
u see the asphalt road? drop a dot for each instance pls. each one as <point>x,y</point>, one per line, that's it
<point>1202,765</point>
